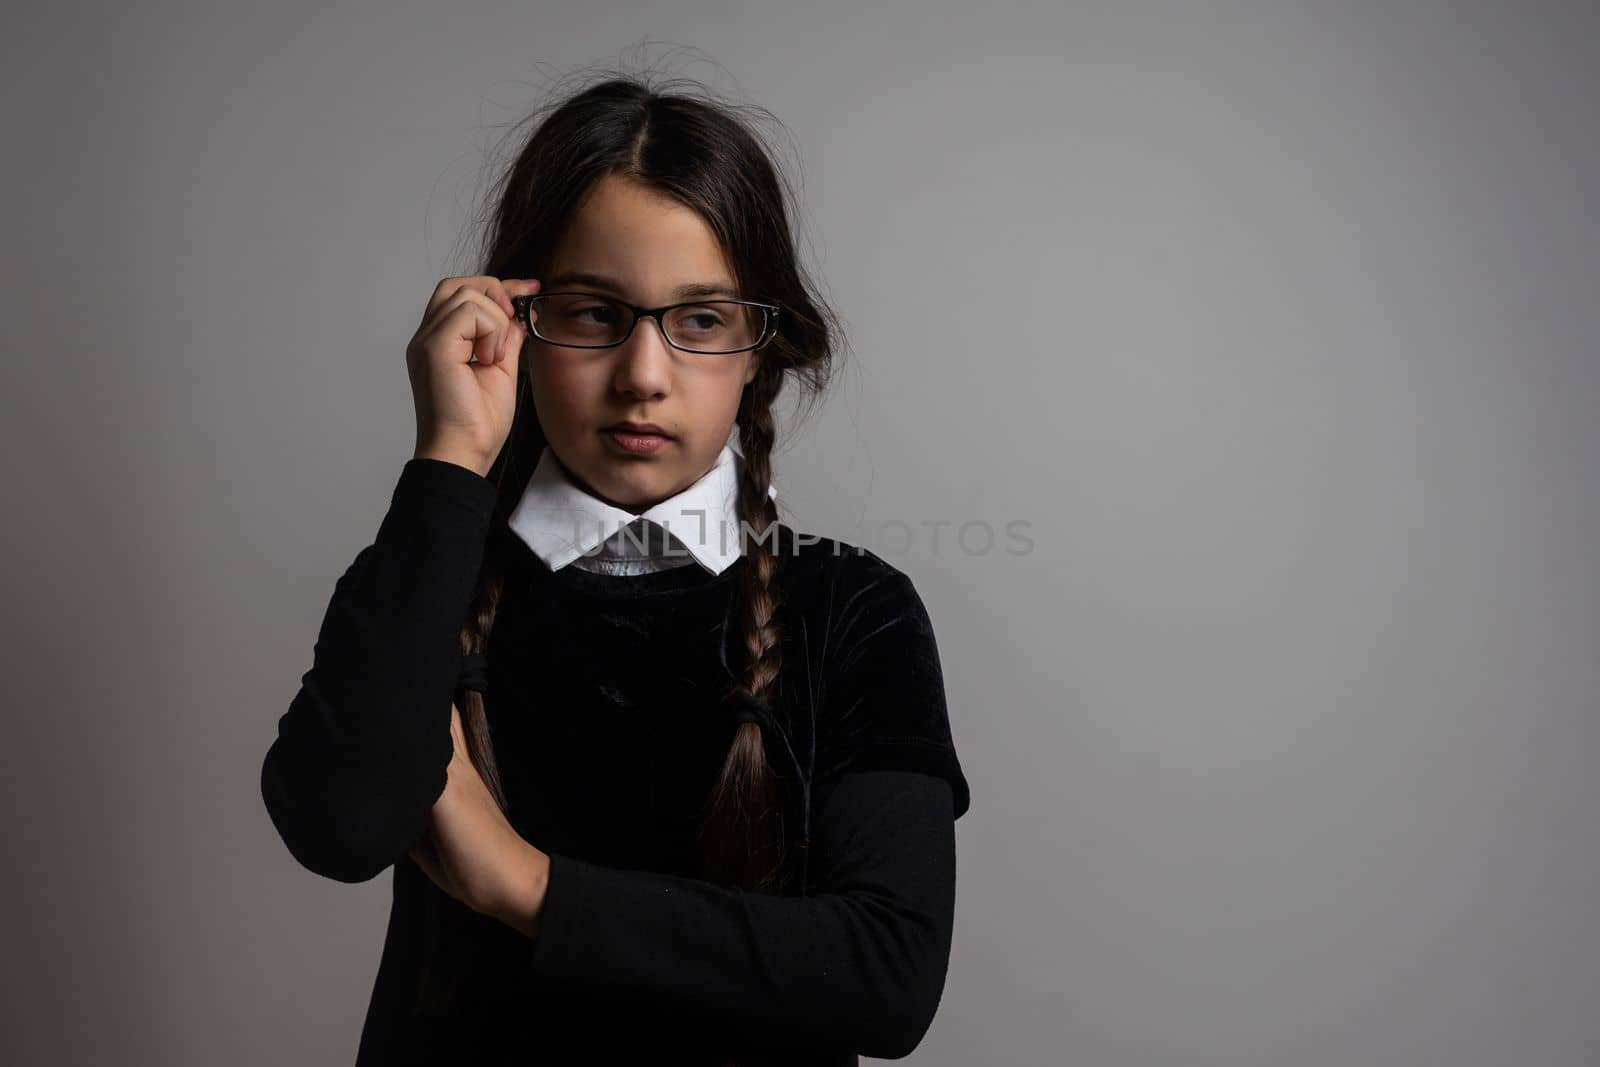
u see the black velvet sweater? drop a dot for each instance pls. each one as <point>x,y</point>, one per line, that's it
<point>607,700</point>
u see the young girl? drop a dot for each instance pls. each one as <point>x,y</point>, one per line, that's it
<point>658,776</point>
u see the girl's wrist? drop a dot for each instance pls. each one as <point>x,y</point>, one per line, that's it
<point>473,463</point>
<point>532,876</point>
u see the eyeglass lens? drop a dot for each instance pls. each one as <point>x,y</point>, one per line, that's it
<point>587,319</point>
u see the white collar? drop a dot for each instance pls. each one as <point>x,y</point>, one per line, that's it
<point>562,522</point>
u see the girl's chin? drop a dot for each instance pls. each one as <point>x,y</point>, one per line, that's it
<point>632,485</point>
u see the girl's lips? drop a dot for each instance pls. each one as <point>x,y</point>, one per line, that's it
<point>637,443</point>
<point>629,426</point>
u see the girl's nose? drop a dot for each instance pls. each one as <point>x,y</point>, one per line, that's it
<point>644,361</point>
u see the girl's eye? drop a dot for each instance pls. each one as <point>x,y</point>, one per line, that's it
<point>702,320</point>
<point>603,313</point>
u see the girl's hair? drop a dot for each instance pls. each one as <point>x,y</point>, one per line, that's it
<point>704,154</point>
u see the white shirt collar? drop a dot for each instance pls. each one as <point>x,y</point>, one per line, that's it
<point>563,523</point>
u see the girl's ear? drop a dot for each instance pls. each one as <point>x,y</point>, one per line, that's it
<point>753,368</point>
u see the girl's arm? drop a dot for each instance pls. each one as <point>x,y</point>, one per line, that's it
<point>361,754</point>
<point>859,965</point>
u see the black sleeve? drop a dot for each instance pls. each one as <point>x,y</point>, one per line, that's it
<point>361,754</point>
<point>882,703</point>
<point>860,965</point>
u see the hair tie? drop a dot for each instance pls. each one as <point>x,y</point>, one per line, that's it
<point>750,708</point>
<point>474,672</point>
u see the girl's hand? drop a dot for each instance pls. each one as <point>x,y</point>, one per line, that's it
<point>464,408</point>
<point>474,854</point>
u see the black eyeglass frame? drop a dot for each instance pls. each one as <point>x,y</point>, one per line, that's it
<point>524,304</point>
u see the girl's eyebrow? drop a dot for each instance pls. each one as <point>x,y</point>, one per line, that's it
<point>600,281</point>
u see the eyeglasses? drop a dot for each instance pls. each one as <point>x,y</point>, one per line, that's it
<point>705,327</point>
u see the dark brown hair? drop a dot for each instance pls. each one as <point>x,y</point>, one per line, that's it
<point>681,141</point>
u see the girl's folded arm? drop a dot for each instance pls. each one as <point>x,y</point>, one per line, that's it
<point>859,965</point>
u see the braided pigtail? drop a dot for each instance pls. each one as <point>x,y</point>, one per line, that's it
<point>741,834</point>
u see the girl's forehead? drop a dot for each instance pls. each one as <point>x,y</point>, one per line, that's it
<point>712,284</point>
<point>640,236</point>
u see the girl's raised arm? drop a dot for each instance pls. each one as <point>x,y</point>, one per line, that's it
<point>361,754</point>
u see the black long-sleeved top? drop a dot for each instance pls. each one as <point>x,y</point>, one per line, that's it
<point>607,702</point>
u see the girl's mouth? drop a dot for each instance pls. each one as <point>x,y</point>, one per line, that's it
<point>642,444</point>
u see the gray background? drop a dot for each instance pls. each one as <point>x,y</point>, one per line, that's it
<point>1271,322</point>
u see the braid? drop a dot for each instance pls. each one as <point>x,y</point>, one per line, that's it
<point>474,719</point>
<point>507,470</point>
<point>757,512</point>
<point>736,839</point>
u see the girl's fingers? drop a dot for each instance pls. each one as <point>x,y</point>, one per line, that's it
<point>449,288</point>
<point>515,287</point>
<point>470,291</point>
<point>488,290</point>
<point>497,291</point>
<point>475,320</point>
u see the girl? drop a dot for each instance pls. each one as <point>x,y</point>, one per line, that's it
<point>657,775</point>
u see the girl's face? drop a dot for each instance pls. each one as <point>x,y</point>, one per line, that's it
<point>631,242</point>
